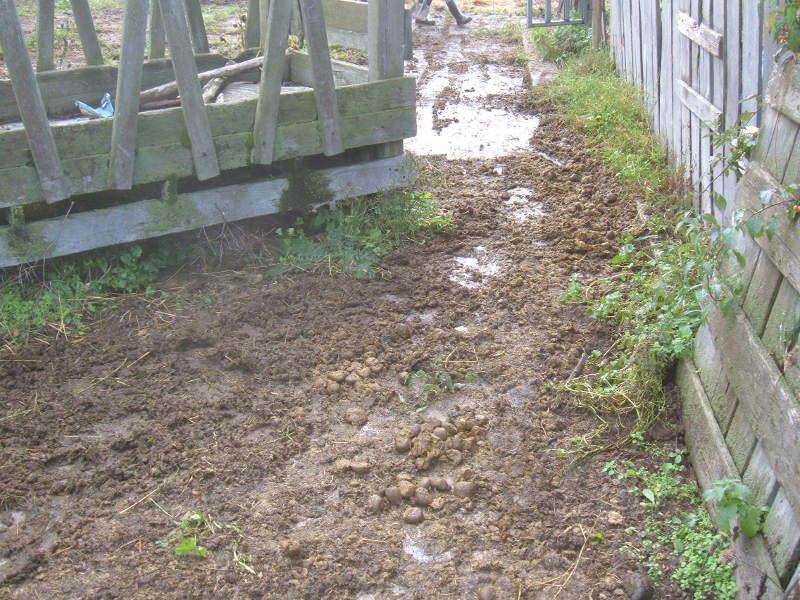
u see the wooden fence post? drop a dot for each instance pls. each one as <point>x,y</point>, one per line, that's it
<point>385,39</point>
<point>597,23</point>
<point>276,34</point>
<point>129,83</point>
<point>252,31</point>
<point>87,33</point>
<point>157,40</point>
<point>55,185</point>
<point>194,109</point>
<point>197,26</point>
<point>45,23</point>
<point>322,74</point>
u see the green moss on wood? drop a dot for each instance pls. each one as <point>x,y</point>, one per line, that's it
<point>305,187</point>
<point>25,243</point>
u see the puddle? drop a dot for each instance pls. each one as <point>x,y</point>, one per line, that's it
<point>473,132</point>
<point>471,271</point>
<point>520,207</point>
<point>475,84</point>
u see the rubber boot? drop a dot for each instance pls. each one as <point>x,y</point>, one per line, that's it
<point>461,19</point>
<point>422,13</point>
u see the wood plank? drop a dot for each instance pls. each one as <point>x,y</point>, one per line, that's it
<point>197,27</point>
<point>783,94</point>
<point>344,73</point>
<point>761,292</point>
<point>346,15</point>
<point>83,19</point>
<point>783,142</point>
<point>701,34</point>
<point>129,83</point>
<point>760,477</point>
<point>717,97</point>
<point>704,83</point>
<point>385,18</point>
<point>784,248</point>
<point>322,75</point>
<point>697,104</point>
<point>45,35</point>
<point>156,128</point>
<point>158,41</point>
<point>152,218</point>
<point>740,438</point>
<point>695,122</point>
<point>269,91</point>
<point>348,39</point>
<point>751,55</point>
<point>733,82</point>
<point>161,155</point>
<point>783,318</point>
<point>54,185</point>
<point>194,110</point>
<point>666,61</point>
<point>772,406</point>
<point>782,534</point>
<point>252,32</point>
<point>709,366</point>
<point>680,113</point>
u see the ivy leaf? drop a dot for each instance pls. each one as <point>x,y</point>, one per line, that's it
<point>727,305</point>
<point>725,514</point>
<point>719,201</point>
<point>766,195</point>
<point>750,520</point>
<point>772,225</point>
<point>755,226</point>
<point>648,493</point>
<point>740,257</point>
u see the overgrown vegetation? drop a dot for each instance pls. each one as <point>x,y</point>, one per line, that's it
<point>559,44</point>
<point>355,235</point>
<point>677,525</point>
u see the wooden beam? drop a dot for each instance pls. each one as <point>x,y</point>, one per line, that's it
<point>700,34</point>
<point>597,23</point>
<point>344,73</point>
<point>346,14</point>
<point>55,186</point>
<point>763,393</point>
<point>269,91</point>
<point>83,19</point>
<point>157,40</point>
<point>197,27</point>
<point>252,32</point>
<point>152,218</point>
<point>45,22</point>
<point>129,84</point>
<point>699,106</point>
<point>385,51</point>
<point>194,110</point>
<point>322,74</point>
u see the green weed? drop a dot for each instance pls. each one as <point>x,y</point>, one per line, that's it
<point>429,385</point>
<point>185,537</point>
<point>690,538</point>
<point>558,44</point>
<point>734,498</point>
<point>355,235</point>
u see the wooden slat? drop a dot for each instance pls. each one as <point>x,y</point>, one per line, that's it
<point>252,32</point>
<point>344,73</point>
<point>704,89</point>
<point>733,87</point>
<point>158,42</point>
<point>784,317</point>
<point>709,365</point>
<point>784,141</point>
<point>151,218</point>
<point>782,533</point>
<point>782,92</point>
<point>700,34</point>
<point>274,50</point>
<point>129,83</point>
<point>763,287</point>
<point>54,185</point>
<point>45,33</point>
<point>83,19</point>
<point>322,75</point>
<point>740,439</point>
<point>751,55</point>
<point>699,106</point>
<point>372,113</point>
<point>385,39</point>
<point>197,27</point>
<point>346,14</point>
<point>784,248</point>
<point>717,98</point>
<point>665,125</point>
<point>772,406</point>
<point>194,110</point>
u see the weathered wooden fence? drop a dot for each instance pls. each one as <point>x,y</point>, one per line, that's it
<point>66,173</point>
<point>701,63</point>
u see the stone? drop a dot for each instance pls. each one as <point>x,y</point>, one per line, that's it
<point>402,444</point>
<point>393,494</point>
<point>360,467</point>
<point>413,516</point>
<point>407,489</point>
<point>440,432</point>
<point>422,497</point>
<point>356,416</point>
<point>375,504</point>
<point>352,379</point>
<point>614,518</point>
<point>337,376</point>
<point>464,489</point>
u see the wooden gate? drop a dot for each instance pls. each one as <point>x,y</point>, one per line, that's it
<point>77,184</point>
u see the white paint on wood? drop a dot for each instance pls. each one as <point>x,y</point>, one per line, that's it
<point>699,106</point>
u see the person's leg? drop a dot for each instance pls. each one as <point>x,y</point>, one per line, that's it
<point>421,16</point>
<point>461,19</point>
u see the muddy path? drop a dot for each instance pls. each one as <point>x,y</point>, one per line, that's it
<point>274,406</point>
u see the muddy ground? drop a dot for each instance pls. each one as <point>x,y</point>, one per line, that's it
<point>275,407</point>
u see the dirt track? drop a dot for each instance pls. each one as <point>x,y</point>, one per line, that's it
<point>229,409</point>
